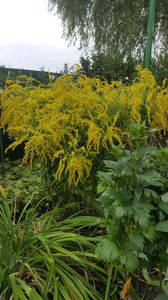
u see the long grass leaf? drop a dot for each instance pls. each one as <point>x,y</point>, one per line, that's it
<point>49,277</point>
<point>32,294</point>
<point>14,286</point>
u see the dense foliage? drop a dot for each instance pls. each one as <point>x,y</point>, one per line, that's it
<point>68,123</point>
<point>43,258</point>
<point>69,127</point>
<point>120,68</point>
<point>134,197</point>
<point>115,25</point>
<point>109,67</point>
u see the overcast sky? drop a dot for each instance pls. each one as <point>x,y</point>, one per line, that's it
<point>31,37</point>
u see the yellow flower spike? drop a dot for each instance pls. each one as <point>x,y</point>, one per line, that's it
<point>139,68</point>
<point>72,121</point>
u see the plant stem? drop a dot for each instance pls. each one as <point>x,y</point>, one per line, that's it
<point>108,282</point>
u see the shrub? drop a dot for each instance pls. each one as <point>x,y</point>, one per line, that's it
<point>70,122</point>
<point>134,196</point>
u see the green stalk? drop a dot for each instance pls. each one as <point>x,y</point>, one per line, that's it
<point>108,282</point>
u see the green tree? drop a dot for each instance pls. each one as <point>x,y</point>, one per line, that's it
<point>109,67</point>
<point>159,67</point>
<point>115,25</point>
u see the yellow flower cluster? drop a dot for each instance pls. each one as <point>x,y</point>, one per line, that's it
<point>70,121</point>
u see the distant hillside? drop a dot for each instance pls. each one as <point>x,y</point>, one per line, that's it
<point>41,75</point>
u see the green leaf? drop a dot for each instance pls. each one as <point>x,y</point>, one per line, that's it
<point>120,212</point>
<point>150,193</point>
<point>152,178</point>
<point>150,232</point>
<point>130,261</point>
<point>143,256</point>
<point>148,279</point>
<point>107,250</point>
<point>164,197</point>
<point>165,287</point>
<point>166,275</point>
<point>100,188</point>
<point>14,286</point>
<point>161,297</point>
<point>162,226</point>
<point>137,239</point>
<point>142,213</point>
<point>164,206</point>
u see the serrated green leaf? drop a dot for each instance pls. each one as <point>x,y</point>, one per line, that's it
<point>142,213</point>
<point>127,171</point>
<point>107,250</point>
<point>164,197</point>
<point>138,193</point>
<point>105,177</point>
<point>116,151</point>
<point>150,233</point>
<point>120,212</point>
<point>164,206</point>
<point>100,188</point>
<point>150,193</point>
<point>130,261</point>
<point>143,256</point>
<point>137,239</point>
<point>162,226</point>
<point>152,178</point>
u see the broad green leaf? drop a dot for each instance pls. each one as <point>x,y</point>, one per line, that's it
<point>100,188</point>
<point>127,171</point>
<point>120,212</point>
<point>150,193</point>
<point>137,239</point>
<point>107,250</point>
<point>161,297</point>
<point>164,206</point>
<point>143,256</point>
<point>152,178</point>
<point>129,260</point>
<point>138,193</point>
<point>165,287</point>
<point>166,275</point>
<point>164,197</point>
<point>162,226</point>
<point>142,213</point>
<point>150,232</point>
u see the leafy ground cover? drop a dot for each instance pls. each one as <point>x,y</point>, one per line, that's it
<point>22,184</point>
<point>40,239</point>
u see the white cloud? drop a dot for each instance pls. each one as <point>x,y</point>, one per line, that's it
<point>31,36</point>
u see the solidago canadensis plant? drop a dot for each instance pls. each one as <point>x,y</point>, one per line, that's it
<point>133,192</point>
<point>69,122</point>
